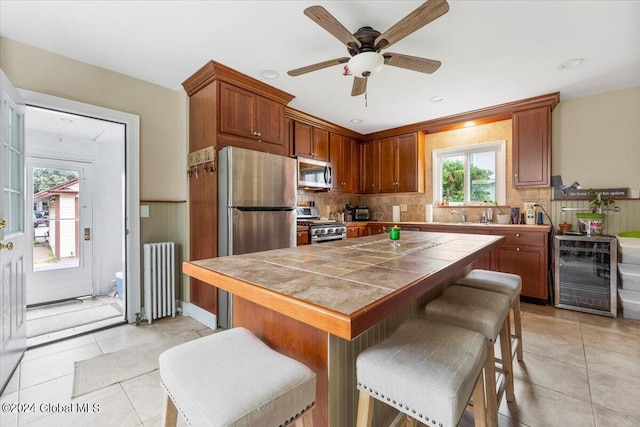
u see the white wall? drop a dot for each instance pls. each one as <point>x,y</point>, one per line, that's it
<point>163,112</point>
<point>596,140</point>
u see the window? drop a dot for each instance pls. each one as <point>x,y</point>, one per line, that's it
<point>470,175</point>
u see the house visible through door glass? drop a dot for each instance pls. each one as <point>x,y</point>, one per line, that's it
<point>56,207</point>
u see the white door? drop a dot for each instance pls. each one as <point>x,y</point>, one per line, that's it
<point>61,259</point>
<point>12,236</point>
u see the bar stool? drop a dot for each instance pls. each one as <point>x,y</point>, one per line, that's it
<point>427,370</point>
<point>484,312</point>
<point>507,284</point>
<point>231,378</point>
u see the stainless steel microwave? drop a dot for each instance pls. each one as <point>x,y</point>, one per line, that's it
<point>314,174</point>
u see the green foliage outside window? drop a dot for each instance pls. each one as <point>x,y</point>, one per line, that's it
<point>453,182</point>
<point>44,178</point>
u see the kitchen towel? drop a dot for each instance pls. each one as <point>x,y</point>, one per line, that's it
<point>428,212</point>
<point>396,213</point>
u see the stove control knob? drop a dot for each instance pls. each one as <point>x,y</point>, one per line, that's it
<point>317,231</point>
<point>330,230</point>
<point>343,229</point>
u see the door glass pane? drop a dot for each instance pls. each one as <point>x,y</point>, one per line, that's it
<point>483,176</point>
<point>13,155</point>
<point>56,224</point>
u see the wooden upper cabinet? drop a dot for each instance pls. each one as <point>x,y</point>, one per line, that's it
<point>310,141</point>
<point>368,167</point>
<point>532,147</point>
<point>251,116</point>
<point>400,163</point>
<point>411,158</point>
<point>387,165</point>
<point>344,159</point>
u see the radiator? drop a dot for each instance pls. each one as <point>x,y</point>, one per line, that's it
<point>159,280</point>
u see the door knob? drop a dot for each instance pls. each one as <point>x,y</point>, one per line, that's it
<point>9,246</point>
<point>3,224</point>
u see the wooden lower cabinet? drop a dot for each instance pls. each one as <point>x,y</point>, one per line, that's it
<point>302,235</point>
<point>374,229</point>
<point>525,254</point>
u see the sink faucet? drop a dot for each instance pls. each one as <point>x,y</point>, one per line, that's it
<point>462,215</point>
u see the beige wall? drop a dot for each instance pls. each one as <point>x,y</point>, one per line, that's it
<point>596,140</point>
<point>162,112</point>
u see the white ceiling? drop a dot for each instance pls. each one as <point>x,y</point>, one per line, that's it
<point>492,52</point>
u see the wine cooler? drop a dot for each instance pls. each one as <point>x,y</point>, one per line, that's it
<point>586,274</point>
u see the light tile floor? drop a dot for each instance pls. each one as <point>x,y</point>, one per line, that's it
<point>578,370</point>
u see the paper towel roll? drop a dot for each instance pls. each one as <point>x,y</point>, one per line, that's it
<point>396,213</point>
<point>428,213</point>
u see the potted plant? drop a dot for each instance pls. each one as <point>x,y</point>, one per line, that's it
<point>501,218</point>
<point>592,222</point>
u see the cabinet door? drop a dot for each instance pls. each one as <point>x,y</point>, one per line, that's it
<point>236,111</point>
<point>302,139</point>
<point>320,144</point>
<point>269,121</point>
<point>302,238</point>
<point>407,155</point>
<point>368,167</point>
<point>529,264</point>
<point>387,165</point>
<point>350,165</point>
<point>374,229</point>
<point>531,147</point>
<point>337,160</point>
<point>353,232</point>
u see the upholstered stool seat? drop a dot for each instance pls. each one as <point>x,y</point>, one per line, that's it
<point>486,313</point>
<point>504,283</point>
<point>427,370</point>
<point>232,378</point>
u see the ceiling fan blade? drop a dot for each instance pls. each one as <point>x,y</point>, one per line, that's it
<point>429,11</point>
<point>414,63</point>
<point>359,86</point>
<point>318,66</point>
<point>323,18</point>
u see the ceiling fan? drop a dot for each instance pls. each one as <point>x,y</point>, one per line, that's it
<point>365,45</point>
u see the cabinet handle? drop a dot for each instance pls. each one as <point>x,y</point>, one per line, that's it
<point>517,234</point>
<point>518,249</point>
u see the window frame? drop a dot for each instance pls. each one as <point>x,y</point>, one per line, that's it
<point>498,147</point>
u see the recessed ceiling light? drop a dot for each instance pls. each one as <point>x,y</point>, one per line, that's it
<point>572,63</point>
<point>270,74</point>
<point>437,99</point>
<point>356,121</point>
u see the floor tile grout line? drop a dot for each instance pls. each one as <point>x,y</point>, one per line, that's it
<point>586,361</point>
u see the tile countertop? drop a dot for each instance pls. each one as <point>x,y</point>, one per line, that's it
<point>344,287</point>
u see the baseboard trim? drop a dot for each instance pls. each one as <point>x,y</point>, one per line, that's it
<point>201,315</point>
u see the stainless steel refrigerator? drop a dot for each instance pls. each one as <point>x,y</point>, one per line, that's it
<point>256,201</point>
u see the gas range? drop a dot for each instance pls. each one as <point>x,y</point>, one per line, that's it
<point>320,230</point>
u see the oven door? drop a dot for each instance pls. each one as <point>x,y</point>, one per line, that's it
<point>326,238</point>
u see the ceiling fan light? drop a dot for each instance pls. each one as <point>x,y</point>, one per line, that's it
<point>365,64</point>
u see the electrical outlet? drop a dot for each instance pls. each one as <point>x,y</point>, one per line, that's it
<point>144,211</point>
<point>403,208</point>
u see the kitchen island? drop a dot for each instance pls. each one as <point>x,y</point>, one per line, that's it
<point>324,304</point>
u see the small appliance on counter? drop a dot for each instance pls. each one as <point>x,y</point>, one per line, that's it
<point>361,213</point>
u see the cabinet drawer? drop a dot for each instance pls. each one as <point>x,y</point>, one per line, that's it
<point>523,238</point>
